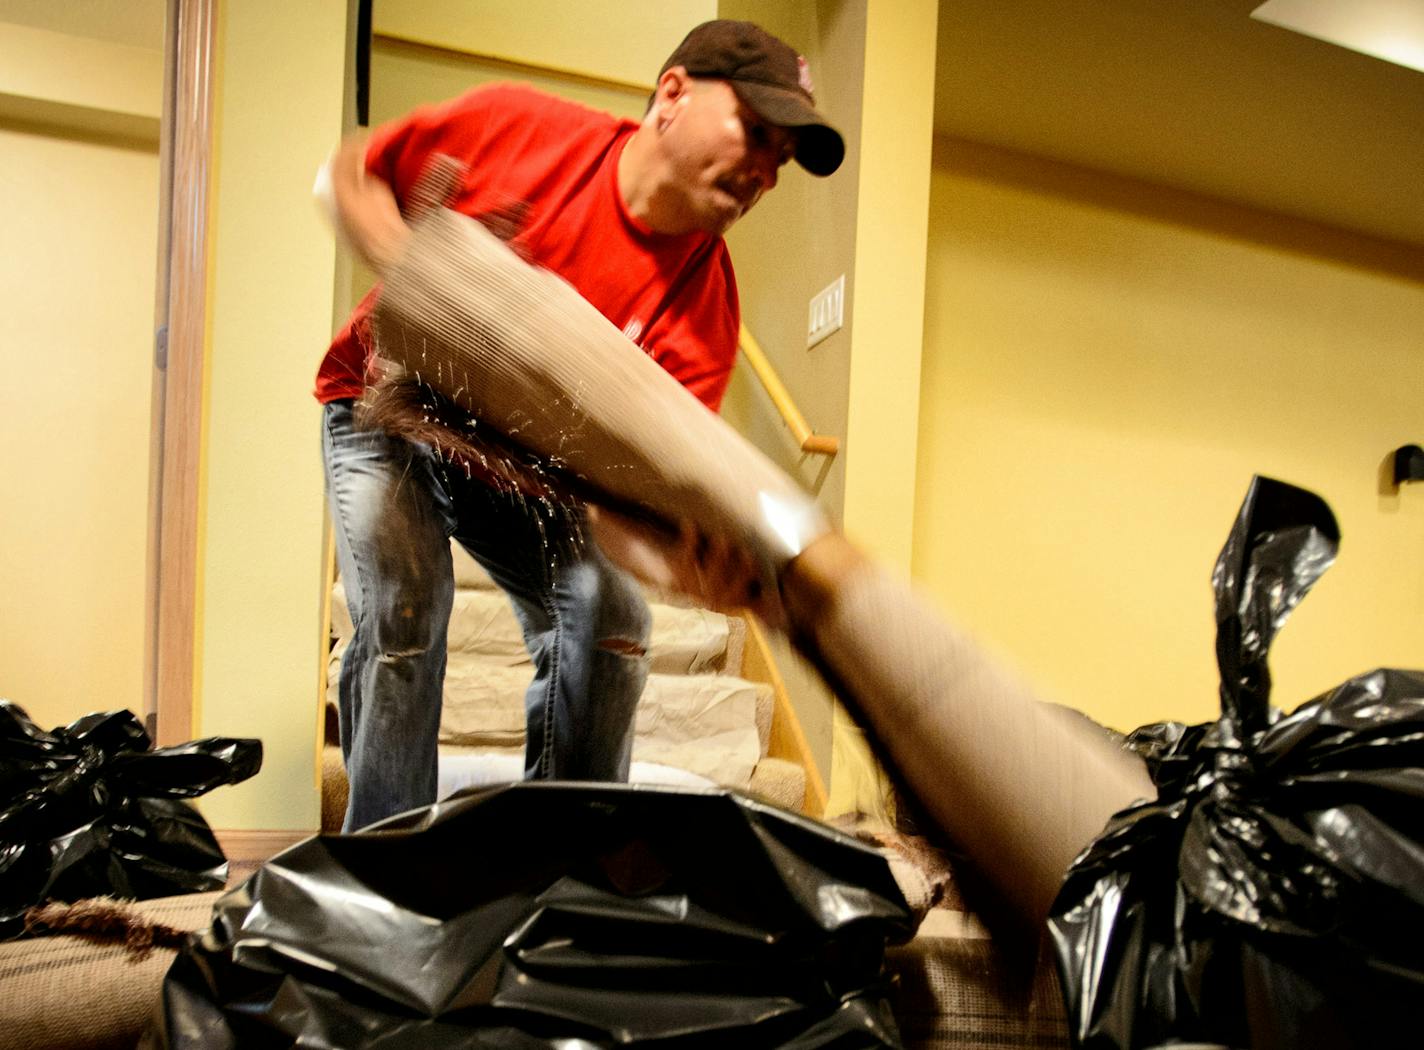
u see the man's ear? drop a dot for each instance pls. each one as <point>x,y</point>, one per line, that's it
<point>672,86</point>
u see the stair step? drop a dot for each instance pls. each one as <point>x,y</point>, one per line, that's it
<point>482,623</point>
<point>693,714</point>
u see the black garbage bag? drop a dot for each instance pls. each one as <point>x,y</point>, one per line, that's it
<point>1273,895</point>
<point>551,915</point>
<point>90,809</point>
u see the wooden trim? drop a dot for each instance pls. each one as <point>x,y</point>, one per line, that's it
<point>809,440</point>
<point>183,259</point>
<point>788,739</point>
<point>256,847</point>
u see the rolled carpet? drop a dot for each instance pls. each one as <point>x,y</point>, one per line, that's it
<point>1019,787</point>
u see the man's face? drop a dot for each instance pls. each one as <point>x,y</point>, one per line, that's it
<point>722,155</point>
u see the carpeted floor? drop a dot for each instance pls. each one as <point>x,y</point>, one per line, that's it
<point>238,871</point>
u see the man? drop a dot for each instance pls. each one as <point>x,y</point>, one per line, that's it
<point>632,215</point>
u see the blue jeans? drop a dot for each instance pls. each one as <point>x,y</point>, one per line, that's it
<point>395,506</point>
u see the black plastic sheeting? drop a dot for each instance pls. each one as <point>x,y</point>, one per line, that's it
<point>91,809</point>
<point>1273,895</point>
<point>551,915</point>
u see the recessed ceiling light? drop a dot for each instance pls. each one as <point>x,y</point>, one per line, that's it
<point>1389,29</point>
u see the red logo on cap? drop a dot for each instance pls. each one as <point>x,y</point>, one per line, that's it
<point>803,75</point>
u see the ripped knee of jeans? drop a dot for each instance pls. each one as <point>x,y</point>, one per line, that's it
<point>622,647</point>
<point>394,656</point>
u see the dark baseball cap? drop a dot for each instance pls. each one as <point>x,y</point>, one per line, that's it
<point>770,78</point>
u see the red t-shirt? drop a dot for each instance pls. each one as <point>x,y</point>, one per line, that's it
<point>549,167</point>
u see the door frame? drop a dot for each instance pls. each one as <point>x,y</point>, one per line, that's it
<point>180,322</point>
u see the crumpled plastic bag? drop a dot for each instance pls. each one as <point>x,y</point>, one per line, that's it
<point>1273,895</point>
<point>90,809</point>
<point>551,915</point>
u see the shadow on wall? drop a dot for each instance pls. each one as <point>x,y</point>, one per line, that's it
<point>1162,204</point>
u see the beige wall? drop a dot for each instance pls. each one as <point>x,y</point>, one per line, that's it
<point>882,440</point>
<point>799,239</point>
<point>79,197</point>
<point>867,222</point>
<point>1106,365</point>
<point>61,70</point>
<point>78,130</point>
<point>405,75</point>
<point>610,39</point>
<point>888,293</point>
<point>279,88</point>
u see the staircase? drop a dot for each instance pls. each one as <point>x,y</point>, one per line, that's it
<point>713,711</point>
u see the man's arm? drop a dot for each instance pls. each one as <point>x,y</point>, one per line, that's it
<point>361,206</point>
<point>711,569</point>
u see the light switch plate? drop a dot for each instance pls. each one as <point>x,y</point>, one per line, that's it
<point>827,312</point>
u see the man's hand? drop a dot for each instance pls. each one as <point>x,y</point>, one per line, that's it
<point>712,570</point>
<point>362,207</point>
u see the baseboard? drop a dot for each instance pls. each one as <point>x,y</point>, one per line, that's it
<point>243,846</point>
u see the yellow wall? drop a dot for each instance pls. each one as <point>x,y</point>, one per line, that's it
<point>279,87</point>
<point>77,73</point>
<point>887,308</point>
<point>405,75</point>
<point>873,67</point>
<point>79,201</point>
<point>800,238</point>
<point>1106,364</point>
<point>614,39</point>
<point>888,293</point>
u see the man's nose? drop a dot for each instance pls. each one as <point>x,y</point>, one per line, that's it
<point>765,167</point>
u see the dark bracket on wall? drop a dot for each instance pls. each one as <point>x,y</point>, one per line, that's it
<point>363,63</point>
<point>1408,464</point>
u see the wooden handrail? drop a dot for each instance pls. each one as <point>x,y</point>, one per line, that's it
<point>820,444</point>
<point>787,739</point>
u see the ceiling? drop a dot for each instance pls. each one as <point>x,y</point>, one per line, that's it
<point>1191,94</point>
